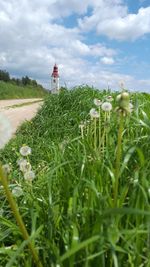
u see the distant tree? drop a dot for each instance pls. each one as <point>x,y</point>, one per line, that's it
<point>4,76</point>
<point>34,83</point>
<point>18,81</point>
<point>13,80</point>
<point>26,80</point>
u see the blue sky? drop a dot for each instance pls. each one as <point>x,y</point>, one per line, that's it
<point>96,42</point>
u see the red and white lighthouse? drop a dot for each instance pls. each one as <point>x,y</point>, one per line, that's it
<point>55,80</point>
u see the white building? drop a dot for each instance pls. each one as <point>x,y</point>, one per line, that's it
<point>55,80</point>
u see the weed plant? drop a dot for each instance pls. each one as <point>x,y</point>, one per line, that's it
<point>89,203</point>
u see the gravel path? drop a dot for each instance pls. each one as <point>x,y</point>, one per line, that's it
<point>18,115</point>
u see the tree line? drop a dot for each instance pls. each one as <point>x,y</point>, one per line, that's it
<point>24,81</point>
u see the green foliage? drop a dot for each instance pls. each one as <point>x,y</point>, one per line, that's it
<point>4,76</point>
<point>12,91</point>
<point>25,87</point>
<point>69,209</point>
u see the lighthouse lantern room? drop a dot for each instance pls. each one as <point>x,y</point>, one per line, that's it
<point>55,80</point>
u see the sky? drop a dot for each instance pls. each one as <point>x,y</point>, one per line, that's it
<point>102,43</point>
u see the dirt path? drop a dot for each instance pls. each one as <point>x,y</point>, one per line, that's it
<point>18,115</point>
<point>7,103</point>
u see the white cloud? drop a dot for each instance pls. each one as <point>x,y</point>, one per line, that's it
<point>62,8</point>
<point>91,50</point>
<point>111,18</point>
<point>127,28</point>
<point>107,60</point>
<point>32,41</point>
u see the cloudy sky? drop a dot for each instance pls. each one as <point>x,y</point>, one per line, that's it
<point>95,42</point>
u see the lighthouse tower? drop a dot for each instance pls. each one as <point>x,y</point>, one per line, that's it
<point>55,80</point>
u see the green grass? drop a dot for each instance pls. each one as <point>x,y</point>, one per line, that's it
<point>69,209</point>
<point>11,91</point>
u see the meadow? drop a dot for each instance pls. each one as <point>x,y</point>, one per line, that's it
<point>86,202</point>
<point>9,90</point>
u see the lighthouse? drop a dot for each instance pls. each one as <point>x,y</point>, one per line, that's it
<point>55,80</point>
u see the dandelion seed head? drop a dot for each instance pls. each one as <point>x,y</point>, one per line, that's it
<point>25,150</point>
<point>94,113</point>
<point>29,176</point>
<point>19,161</point>
<point>5,130</point>
<point>17,191</point>
<point>97,102</point>
<point>110,98</point>
<point>106,106</point>
<point>25,166</point>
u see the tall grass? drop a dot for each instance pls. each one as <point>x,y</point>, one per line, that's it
<point>70,210</point>
<point>11,91</point>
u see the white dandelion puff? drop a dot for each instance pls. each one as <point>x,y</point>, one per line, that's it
<point>25,150</point>
<point>17,191</point>
<point>106,106</point>
<point>25,166</point>
<point>29,176</point>
<point>94,113</point>
<point>19,161</point>
<point>97,102</point>
<point>5,130</point>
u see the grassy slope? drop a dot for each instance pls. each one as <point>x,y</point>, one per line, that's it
<point>11,91</point>
<point>72,194</point>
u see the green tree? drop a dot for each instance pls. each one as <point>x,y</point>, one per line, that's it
<point>4,76</point>
<point>26,80</point>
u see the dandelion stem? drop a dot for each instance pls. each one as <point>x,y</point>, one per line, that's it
<point>18,217</point>
<point>95,141</point>
<point>82,133</point>
<point>100,129</point>
<point>104,133</point>
<point>118,159</point>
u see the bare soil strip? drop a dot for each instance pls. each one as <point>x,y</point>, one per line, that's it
<point>17,115</point>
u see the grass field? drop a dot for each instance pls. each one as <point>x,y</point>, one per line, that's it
<point>11,91</point>
<point>89,203</point>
